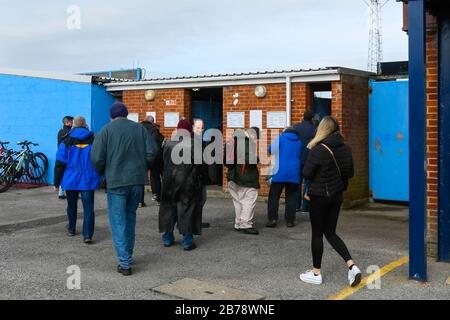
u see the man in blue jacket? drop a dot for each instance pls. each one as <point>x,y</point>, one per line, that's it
<point>75,173</point>
<point>286,152</point>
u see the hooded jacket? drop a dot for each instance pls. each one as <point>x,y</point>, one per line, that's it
<point>242,167</point>
<point>287,151</point>
<point>74,169</point>
<point>321,169</point>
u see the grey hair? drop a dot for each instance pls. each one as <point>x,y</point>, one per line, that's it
<point>80,122</point>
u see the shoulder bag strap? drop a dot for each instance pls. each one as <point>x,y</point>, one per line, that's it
<point>332,154</point>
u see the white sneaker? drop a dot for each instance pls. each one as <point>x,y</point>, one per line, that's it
<point>310,277</point>
<point>354,276</point>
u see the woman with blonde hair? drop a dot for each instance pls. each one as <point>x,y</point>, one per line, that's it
<point>329,166</point>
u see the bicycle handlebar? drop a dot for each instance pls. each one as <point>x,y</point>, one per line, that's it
<point>26,143</point>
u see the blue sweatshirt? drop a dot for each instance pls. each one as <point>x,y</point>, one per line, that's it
<point>287,153</point>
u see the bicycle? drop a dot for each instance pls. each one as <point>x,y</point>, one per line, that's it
<point>33,165</point>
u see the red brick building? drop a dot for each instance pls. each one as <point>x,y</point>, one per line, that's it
<point>341,92</point>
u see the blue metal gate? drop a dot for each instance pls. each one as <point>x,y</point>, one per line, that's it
<point>389,140</point>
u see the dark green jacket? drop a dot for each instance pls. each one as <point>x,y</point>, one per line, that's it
<point>123,152</point>
<point>244,175</point>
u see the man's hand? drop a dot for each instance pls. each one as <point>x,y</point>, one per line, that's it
<point>55,189</point>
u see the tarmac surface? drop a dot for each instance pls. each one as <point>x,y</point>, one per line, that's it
<point>36,253</point>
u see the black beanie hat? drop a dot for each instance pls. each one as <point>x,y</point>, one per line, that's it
<point>118,109</point>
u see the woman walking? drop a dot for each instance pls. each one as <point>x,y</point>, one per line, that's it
<point>329,166</point>
<point>76,174</point>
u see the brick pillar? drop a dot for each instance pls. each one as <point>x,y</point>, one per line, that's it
<point>432,140</point>
<point>350,106</point>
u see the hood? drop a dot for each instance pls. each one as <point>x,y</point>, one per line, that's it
<point>149,124</point>
<point>334,140</point>
<point>80,133</point>
<point>291,134</point>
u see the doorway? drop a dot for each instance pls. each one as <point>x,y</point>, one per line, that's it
<point>207,104</point>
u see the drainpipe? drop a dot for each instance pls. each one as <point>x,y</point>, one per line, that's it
<point>288,101</point>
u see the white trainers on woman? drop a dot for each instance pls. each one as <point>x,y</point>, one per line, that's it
<point>310,277</point>
<point>354,276</point>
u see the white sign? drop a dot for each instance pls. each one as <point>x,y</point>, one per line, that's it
<point>171,102</point>
<point>235,119</point>
<point>256,118</point>
<point>133,117</point>
<point>276,119</point>
<point>171,119</point>
<point>151,113</point>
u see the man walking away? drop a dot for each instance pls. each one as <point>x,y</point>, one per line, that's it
<point>74,171</point>
<point>156,167</point>
<point>306,131</point>
<point>62,133</point>
<point>287,153</point>
<point>123,152</point>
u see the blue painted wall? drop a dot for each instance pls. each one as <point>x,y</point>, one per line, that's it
<point>389,140</point>
<point>33,108</point>
<point>100,104</point>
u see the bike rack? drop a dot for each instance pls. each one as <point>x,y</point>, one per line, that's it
<point>26,183</point>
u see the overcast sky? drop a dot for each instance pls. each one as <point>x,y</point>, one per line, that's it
<point>189,37</point>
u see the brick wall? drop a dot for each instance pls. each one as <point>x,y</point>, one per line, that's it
<point>350,107</point>
<point>275,100</point>
<point>432,139</point>
<point>136,102</point>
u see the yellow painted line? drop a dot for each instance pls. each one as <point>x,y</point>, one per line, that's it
<point>344,293</point>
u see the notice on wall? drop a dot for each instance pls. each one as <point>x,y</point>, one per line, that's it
<point>235,119</point>
<point>171,102</point>
<point>151,113</point>
<point>256,118</point>
<point>133,117</point>
<point>276,120</point>
<point>171,119</point>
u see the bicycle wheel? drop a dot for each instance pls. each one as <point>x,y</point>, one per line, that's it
<point>36,167</point>
<point>7,177</point>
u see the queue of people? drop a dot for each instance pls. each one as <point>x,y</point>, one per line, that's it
<point>309,164</point>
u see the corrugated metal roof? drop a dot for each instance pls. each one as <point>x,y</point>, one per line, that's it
<point>244,78</point>
<point>241,74</point>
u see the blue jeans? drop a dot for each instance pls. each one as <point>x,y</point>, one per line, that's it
<point>305,203</point>
<point>87,198</point>
<point>168,237</point>
<point>122,205</point>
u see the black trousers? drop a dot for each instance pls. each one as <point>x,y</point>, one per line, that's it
<point>292,190</point>
<point>324,217</point>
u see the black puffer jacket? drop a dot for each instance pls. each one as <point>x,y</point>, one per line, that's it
<point>321,169</point>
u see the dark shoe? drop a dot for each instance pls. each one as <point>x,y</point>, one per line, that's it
<point>142,204</point>
<point>237,229</point>
<point>191,247</point>
<point>125,272</point>
<point>205,225</point>
<point>250,231</point>
<point>271,224</point>
<point>69,233</point>
<point>62,197</point>
<point>88,240</point>
<point>290,224</point>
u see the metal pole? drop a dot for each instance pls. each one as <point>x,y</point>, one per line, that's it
<point>417,142</point>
